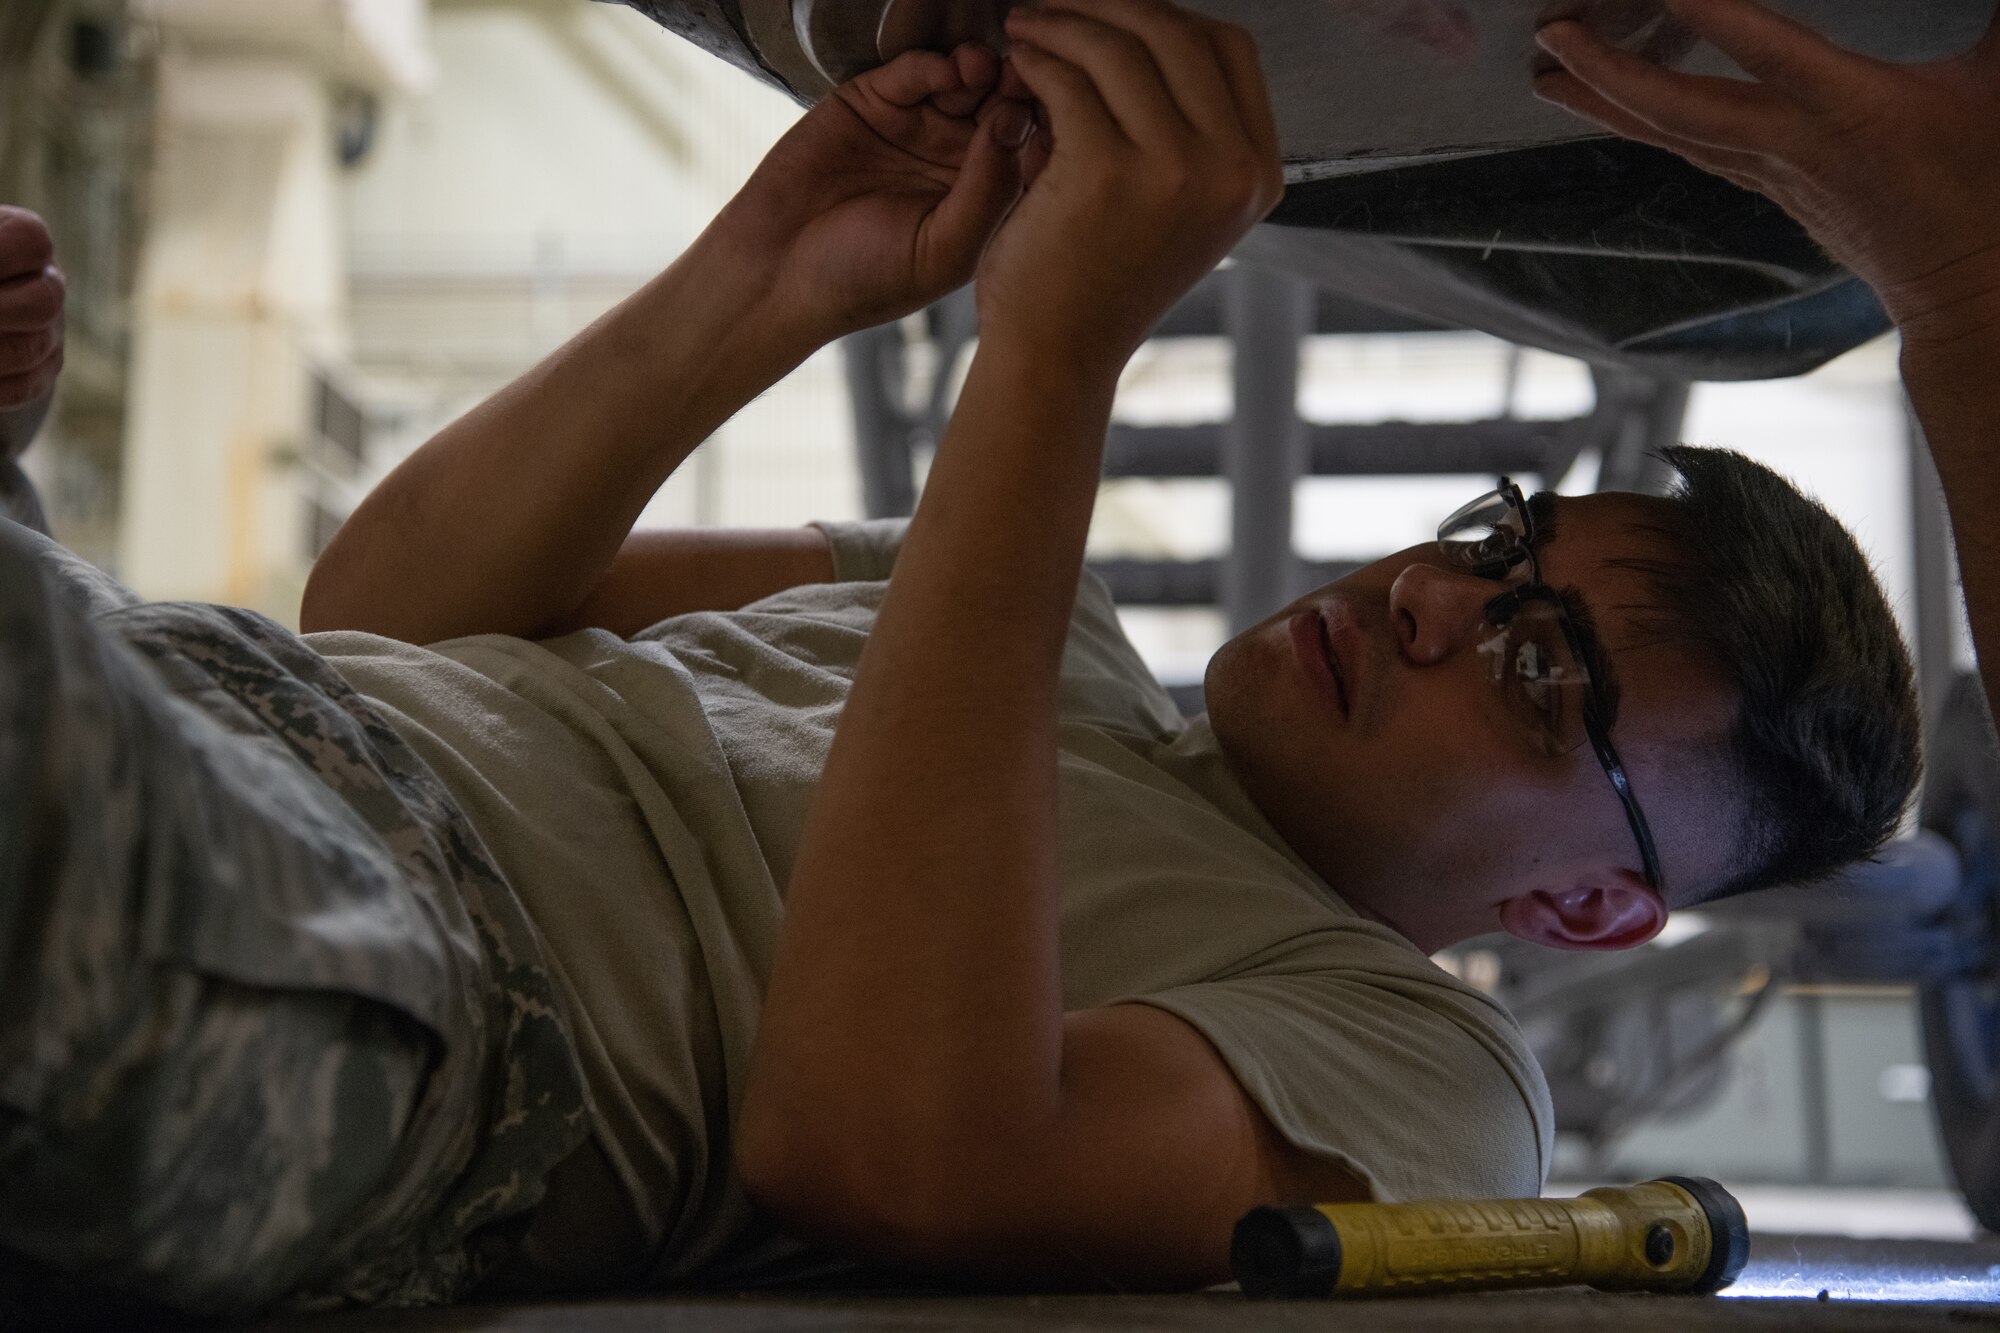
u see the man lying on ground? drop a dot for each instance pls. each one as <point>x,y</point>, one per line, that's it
<point>580,908</point>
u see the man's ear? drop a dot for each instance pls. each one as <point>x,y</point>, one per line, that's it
<point>1618,913</point>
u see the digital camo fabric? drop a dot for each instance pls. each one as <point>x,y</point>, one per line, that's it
<point>274,1032</point>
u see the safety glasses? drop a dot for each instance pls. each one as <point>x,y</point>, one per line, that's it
<point>1534,653</point>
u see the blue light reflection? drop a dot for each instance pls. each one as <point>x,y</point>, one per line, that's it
<point>1842,1278</point>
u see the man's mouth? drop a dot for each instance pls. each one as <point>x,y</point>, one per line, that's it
<point>1333,664</point>
<point>1312,644</point>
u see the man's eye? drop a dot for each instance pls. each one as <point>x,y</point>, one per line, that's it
<point>1495,549</point>
<point>1538,679</point>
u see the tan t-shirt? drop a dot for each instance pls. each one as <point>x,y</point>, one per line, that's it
<point>646,798</point>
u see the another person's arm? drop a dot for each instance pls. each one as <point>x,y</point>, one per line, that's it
<point>1895,170</point>
<point>512,519</point>
<point>31,327</point>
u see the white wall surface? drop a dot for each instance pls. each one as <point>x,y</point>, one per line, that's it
<point>241,287</point>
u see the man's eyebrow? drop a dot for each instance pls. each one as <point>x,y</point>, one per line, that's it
<point>1542,515</point>
<point>1595,660</point>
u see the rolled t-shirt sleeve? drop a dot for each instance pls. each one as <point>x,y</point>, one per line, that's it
<point>864,552</point>
<point>1406,1082</point>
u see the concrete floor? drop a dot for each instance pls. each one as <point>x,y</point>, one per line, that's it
<point>1872,1286</point>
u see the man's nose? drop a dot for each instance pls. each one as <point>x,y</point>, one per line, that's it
<point>1437,612</point>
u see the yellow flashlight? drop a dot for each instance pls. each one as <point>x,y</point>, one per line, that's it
<point>1678,1234</point>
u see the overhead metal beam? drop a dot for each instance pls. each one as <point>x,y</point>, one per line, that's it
<point>1544,448</point>
<point>1268,314</point>
<point>1643,414</point>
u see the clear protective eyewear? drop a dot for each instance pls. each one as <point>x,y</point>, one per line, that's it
<point>1534,655</point>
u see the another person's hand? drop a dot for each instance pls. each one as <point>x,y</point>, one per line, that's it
<point>1893,169</point>
<point>31,309</point>
<point>1161,153</point>
<point>880,200</point>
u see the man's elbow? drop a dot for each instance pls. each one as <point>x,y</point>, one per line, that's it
<point>343,593</point>
<point>816,1186</point>
<point>328,602</point>
<point>316,610</point>
<point>966,1217</point>
<point>859,1191</point>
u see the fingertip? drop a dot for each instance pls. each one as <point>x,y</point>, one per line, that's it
<point>1012,84</point>
<point>909,78</point>
<point>25,244</point>
<point>1564,90</point>
<point>1012,124</point>
<point>977,64</point>
<point>1551,36</point>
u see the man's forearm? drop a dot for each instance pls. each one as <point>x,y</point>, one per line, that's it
<point>911,1038</point>
<point>508,517</point>
<point>1954,387</point>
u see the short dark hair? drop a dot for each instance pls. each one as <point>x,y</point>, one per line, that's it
<point>1768,586</point>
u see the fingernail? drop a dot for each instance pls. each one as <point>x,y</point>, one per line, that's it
<point>1012,124</point>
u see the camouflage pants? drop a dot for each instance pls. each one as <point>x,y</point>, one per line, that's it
<point>274,1033</point>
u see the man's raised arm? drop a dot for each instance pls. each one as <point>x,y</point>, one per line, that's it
<point>918,1095</point>
<point>878,202</point>
<point>1895,170</point>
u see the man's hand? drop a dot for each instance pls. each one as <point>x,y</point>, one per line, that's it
<point>1162,152</point>
<point>1894,169</point>
<point>880,200</point>
<point>31,306</point>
